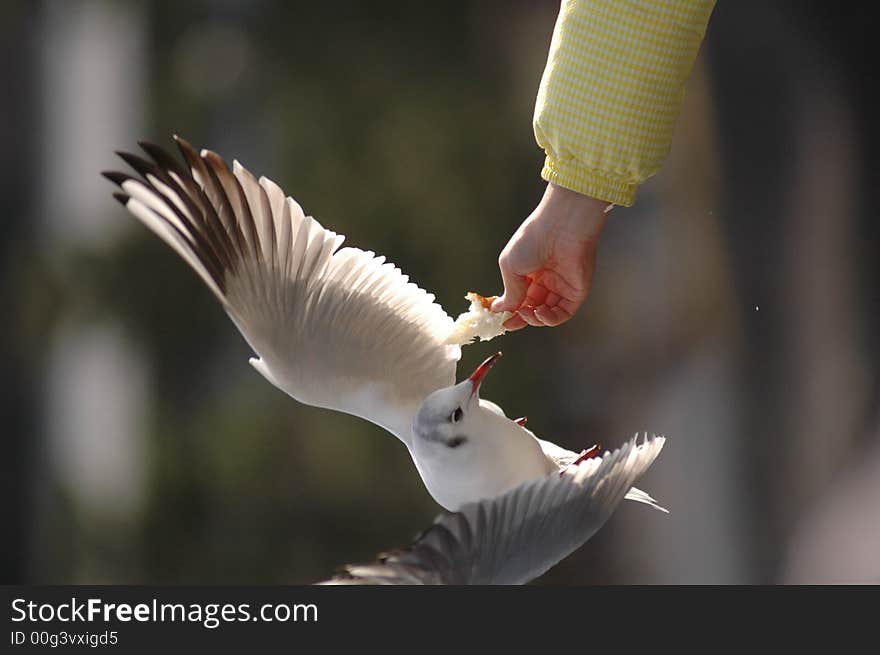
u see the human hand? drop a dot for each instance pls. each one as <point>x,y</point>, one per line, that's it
<point>547,266</point>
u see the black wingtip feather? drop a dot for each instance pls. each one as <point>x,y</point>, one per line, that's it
<point>163,159</point>
<point>190,156</point>
<point>121,197</point>
<point>139,164</point>
<point>116,177</point>
<point>185,145</point>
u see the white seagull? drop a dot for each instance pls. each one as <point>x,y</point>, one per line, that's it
<point>340,328</point>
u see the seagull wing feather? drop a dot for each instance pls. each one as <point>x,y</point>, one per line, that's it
<point>333,327</point>
<point>518,536</point>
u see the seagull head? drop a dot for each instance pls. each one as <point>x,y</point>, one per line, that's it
<point>446,417</point>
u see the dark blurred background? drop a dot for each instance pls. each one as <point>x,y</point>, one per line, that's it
<point>735,307</point>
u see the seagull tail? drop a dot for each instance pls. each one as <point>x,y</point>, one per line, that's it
<point>642,497</point>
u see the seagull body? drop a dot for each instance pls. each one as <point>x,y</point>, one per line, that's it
<point>337,327</point>
<point>466,449</point>
<point>456,476</point>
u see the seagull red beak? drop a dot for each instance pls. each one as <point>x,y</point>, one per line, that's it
<point>477,376</point>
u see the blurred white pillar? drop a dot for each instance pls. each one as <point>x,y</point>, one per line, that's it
<point>838,541</point>
<point>690,324</point>
<point>829,398</point>
<point>92,75</point>
<point>832,474</point>
<point>95,411</point>
<point>700,477</point>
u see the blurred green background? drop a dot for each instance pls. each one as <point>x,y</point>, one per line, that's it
<point>735,307</point>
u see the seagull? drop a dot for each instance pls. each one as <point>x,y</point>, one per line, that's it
<point>506,539</point>
<point>339,328</point>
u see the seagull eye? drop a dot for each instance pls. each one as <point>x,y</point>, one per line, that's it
<point>456,415</point>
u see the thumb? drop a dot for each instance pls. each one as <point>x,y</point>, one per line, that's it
<point>515,287</point>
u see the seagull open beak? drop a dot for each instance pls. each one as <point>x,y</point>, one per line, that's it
<point>477,376</point>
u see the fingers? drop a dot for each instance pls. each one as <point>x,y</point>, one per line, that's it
<point>515,286</point>
<point>545,308</point>
<point>536,294</point>
<point>552,316</point>
<point>543,316</point>
<point>514,323</point>
<point>527,314</point>
<point>514,293</point>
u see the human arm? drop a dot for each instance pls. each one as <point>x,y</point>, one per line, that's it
<point>604,115</point>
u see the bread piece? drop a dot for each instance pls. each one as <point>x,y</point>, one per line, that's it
<point>479,322</point>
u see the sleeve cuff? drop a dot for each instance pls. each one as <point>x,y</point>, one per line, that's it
<point>590,183</point>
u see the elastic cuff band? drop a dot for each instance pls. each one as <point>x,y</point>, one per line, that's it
<point>590,183</point>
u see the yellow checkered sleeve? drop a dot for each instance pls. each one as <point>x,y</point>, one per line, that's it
<point>612,90</point>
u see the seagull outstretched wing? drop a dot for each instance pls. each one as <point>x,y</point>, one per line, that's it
<point>333,327</point>
<point>519,535</point>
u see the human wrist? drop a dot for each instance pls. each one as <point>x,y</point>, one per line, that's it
<point>574,210</point>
